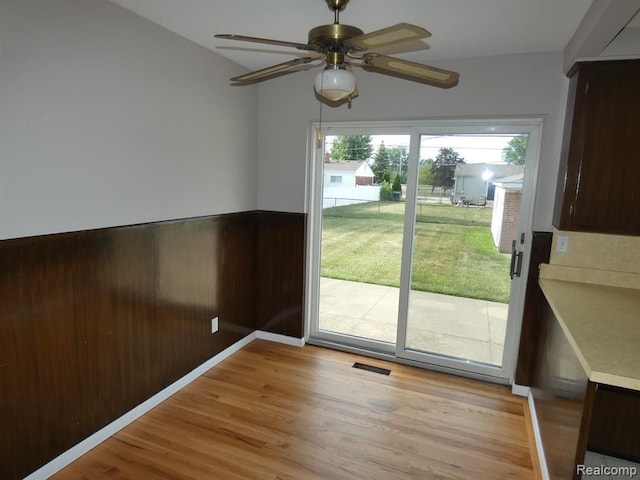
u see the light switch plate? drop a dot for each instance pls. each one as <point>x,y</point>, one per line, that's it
<point>214,325</point>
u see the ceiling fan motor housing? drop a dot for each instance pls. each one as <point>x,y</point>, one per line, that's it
<point>332,37</point>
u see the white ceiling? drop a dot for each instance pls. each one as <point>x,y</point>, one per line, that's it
<point>460,28</point>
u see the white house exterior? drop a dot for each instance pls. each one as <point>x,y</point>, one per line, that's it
<point>348,182</point>
<point>474,181</point>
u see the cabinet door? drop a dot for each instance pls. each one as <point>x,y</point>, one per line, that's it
<point>602,182</point>
<point>562,397</point>
<point>615,423</point>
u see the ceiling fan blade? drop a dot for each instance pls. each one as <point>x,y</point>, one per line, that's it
<point>402,32</point>
<point>268,41</point>
<point>258,75</point>
<point>416,72</point>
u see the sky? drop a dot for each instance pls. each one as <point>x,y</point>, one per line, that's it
<point>473,148</point>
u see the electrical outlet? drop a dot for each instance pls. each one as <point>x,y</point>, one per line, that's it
<point>562,245</point>
<point>214,325</point>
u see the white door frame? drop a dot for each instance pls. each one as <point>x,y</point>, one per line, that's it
<point>489,125</point>
<point>314,229</point>
<point>533,127</point>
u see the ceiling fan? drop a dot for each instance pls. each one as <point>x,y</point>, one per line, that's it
<point>338,45</point>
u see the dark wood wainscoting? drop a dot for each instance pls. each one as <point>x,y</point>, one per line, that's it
<point>533,301</point>
<point>281,262</point>
<point>93,323</point>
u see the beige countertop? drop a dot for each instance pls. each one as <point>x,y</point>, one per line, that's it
<point>601,322</point>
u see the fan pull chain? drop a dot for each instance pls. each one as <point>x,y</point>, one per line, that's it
<point>319,134</point>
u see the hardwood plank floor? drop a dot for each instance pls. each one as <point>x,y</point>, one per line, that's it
<point>273,411</point>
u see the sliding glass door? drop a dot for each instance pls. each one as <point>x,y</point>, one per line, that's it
<point>361,223</point>
<point>423,275</point>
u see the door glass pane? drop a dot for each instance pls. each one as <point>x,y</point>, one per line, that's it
<point>362,231</point>
<point>467,215</point>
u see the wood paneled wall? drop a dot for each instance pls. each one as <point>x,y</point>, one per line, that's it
<point>281,262</point>
<point>93,323</point>
<point>533,301</point>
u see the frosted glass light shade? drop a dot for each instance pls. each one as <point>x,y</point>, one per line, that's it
<point>335,83</point>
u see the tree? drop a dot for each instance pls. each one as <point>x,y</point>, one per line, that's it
<point>398,160</point>
<point>381,163</point>
<point>352,147</point>
<point>444,166</point>
<point>516,150</point>
<point>425,174</point>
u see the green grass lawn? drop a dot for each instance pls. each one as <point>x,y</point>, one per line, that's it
<point>453,254</point>
<point>431,213</point>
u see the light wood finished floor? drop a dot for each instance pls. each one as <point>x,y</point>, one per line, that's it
<point>277,412</point>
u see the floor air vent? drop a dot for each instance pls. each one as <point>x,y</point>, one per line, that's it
<point>371,368</point>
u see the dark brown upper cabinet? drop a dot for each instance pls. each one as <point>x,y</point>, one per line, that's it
<point>599,178</point>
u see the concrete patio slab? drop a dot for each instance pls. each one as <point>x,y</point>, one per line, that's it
<point>442,324</point>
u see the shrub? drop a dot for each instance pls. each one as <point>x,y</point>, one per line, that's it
<point>397,186</point>
<point>385,190</point>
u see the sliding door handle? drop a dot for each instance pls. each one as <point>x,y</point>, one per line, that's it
<point>516,262</point>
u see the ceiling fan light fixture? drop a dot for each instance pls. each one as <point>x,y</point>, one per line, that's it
<point>335,83</point>
<point>339,45</point>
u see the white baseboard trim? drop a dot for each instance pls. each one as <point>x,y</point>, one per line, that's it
<point>520,390</point>
<point>536,433</point>
<point>276,337</point>
<point>101,435</point>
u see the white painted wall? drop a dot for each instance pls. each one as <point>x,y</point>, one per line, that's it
<point>107,119</point>
<point>493,86</point>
